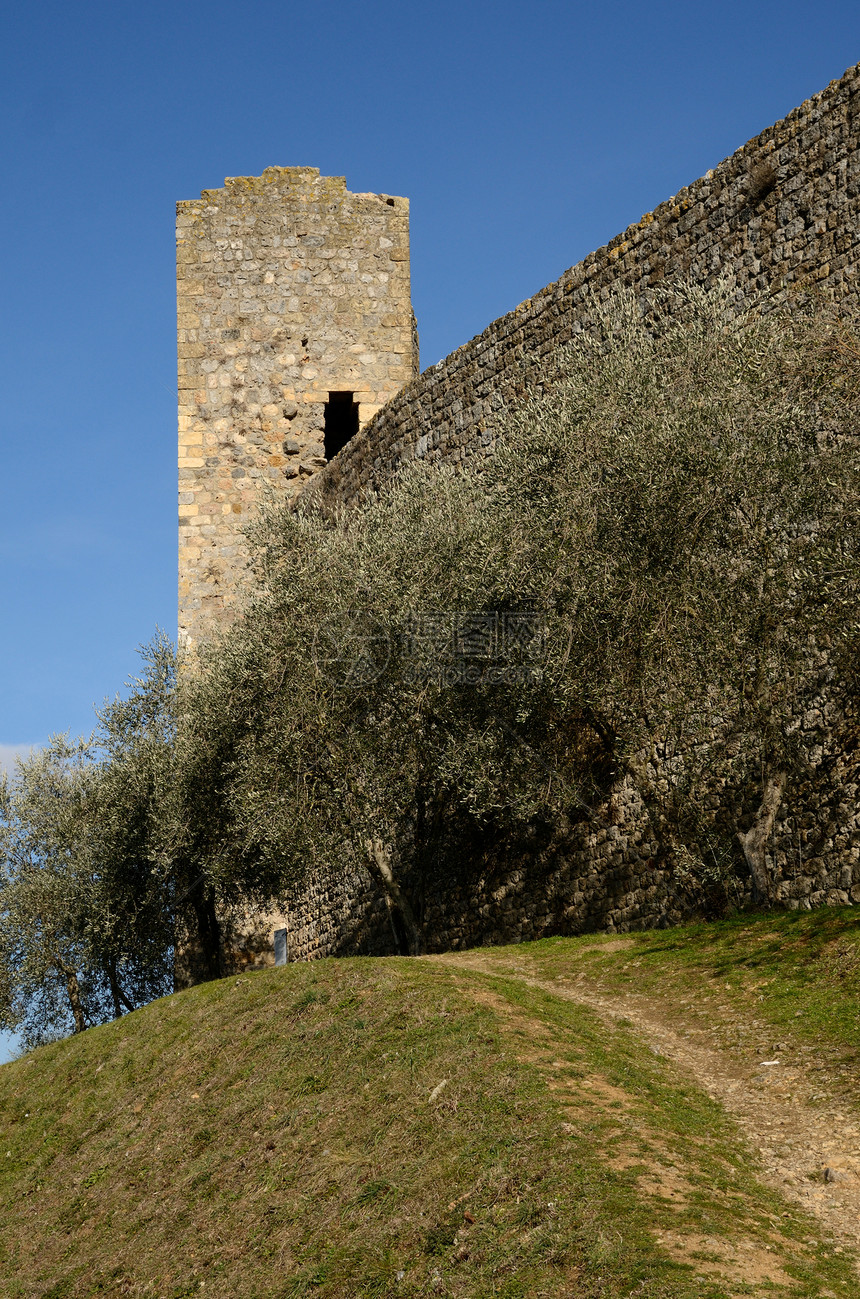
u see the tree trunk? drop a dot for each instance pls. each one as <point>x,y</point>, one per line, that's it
<point>754,841</point>
<point>211,957</point>
<point>73,992</point>
<point>116,992</point>
<point>380,856</point>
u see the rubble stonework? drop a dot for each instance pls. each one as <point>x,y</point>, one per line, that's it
<point>289,288</point>
<point>781,214</point>
<point>607,873</point>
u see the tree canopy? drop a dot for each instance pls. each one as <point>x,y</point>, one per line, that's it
<point>86,877</point>
<point>678,518</point>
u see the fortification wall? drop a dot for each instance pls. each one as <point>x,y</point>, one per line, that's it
<point>781,213</point>
<point>609,873</point>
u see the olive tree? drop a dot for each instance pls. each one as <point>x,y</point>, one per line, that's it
<point>42,951</point>
<point>331,723</point>
<point>691,494</point>
<point>86,874</point>
<point>679,517</point>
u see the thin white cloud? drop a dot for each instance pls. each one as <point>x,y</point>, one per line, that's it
<point>9,752</point>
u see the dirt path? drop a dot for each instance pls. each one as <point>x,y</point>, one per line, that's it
<point>793,1106</point>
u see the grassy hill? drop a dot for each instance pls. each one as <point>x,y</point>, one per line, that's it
<point>460,1126</point>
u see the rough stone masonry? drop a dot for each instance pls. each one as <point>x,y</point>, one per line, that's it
<point>782,214</point>
<point>295,326</point>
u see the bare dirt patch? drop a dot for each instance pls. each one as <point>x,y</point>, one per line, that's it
<point>738,1262</point>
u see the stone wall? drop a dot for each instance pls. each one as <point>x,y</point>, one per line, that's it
<point>781,213</point>
<point>289,288</point>
<point>606,874</point>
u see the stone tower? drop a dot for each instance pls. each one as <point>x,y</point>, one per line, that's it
<point>295,325</point>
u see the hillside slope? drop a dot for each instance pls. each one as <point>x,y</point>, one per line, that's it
<point>508,1122</point>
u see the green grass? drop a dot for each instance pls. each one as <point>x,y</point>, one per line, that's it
<point>669,1129</point>
<point>797,971</point>
<point>273,1135</point>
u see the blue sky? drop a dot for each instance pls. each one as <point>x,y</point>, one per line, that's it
<point>524,136</point>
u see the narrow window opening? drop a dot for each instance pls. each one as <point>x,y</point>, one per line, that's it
<point>341,422</point>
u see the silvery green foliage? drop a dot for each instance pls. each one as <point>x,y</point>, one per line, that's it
<point>287,761</point>
<point>692,489</point>
<point>85,880</point>
<point>43,895</point>
<point>681,508</point>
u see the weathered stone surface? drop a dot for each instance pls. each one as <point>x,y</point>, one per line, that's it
<point>799,229</point>
<point>289,288</point>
